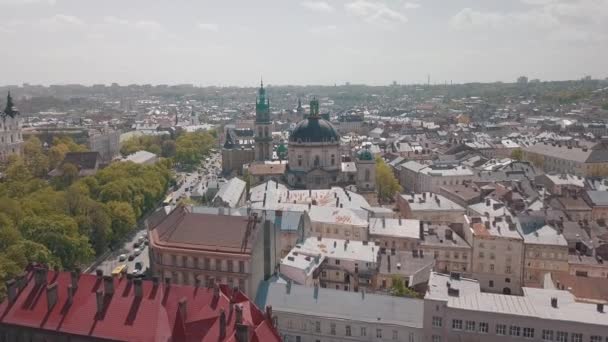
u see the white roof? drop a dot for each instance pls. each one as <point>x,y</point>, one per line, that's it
<point>335,249</point>
<point>431,201</point>
<point>401,228</point>
<point>567,179</point>
<point>545,235</point>
<point>140,157</point>
<point>338,216</point>
<point>231,191</point>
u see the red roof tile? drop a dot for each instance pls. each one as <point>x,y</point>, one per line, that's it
<point>152,317</point>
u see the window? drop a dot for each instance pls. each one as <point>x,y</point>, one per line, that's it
<point>508,269</point>
<point>595,338</point>
<point>481,245</point>
<point>333,160</point>
<point>561,336</point>
<point>483,327</point>
<point>299,160</point>
<point>174,260</point>
<point>481,255</point>
<point>378,333</point>
<point>395,335</point>
<point>469,326</point>
<point>230,266</point>
<point>501,329</point>
<point>337,262</point>
<point>242,284</point>
<point>436,338</point>
<point>332,328</point>
<point>436,322</point>
<point>514,330</point>
<point>348,333</point>
<point>529,332</point>
<point>241,267</point>
<point>577,337</point>
<point>491,284</point>
<point>318,326</point>
<point>317,161</point>
<point>457,324</point>
<point>184,261</point>
<point>298,339</point>
<point>547,335</point>
<point>207,264</point>
<point>491,267</point>
<point>363,331</point>
<point>289,324</point>
<point>492,256</point>
<point>367,175</point>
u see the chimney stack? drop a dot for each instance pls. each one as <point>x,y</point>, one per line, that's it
<point>108,285</point>
<point>51,296</point>
<point>554,302</point>
<point>138,288</point>
<point>288,287</point>
<point>40,276</point>
<point>99,273</point>
<point>99,297</point>
<point>383,222</point>
<point>167,281</point>
<point>239,313</point>
<point>600,307</point>
<point>222,324</point>
<point>269,312</point>
<point>182,307</point>
<point>242,332</point>
<point>70,294</point>
<point>216,291</point>
<point>75,276</point>
<point>11,288</point>
<point>399,220</point>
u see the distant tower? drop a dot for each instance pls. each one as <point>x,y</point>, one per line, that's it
<point>263,133</point>
<point>11,140</point>
<point>194,119</point>
<point>366,171</point>
<point>300,110</point>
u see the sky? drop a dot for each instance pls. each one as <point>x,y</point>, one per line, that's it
<point>235,42</point>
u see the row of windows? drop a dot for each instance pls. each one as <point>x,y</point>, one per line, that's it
<point>493,247</point>
<point>550,255</point>
<point>188,279</point>
<point>317,162</point>
<point>491,268</point>
<point>206,264</point>
<point>515,331</point>
<point>349,330</point>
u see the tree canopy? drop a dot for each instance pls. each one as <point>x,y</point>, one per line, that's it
<point>386,182</point>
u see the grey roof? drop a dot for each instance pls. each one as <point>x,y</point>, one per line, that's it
<point>598,198</point>
<point>337,304</point>
<point>231,192</point>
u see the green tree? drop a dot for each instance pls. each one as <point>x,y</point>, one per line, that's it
<point>386,182</point>
<point>399,289</point>
<point>122,218</point>
<point>517,154</point>
<point>35,159</point>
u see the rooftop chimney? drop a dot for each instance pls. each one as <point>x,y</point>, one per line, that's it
<point>216,291</point>
<point>137,288</point>
<point>75,275</point>
<point>11,288</point>
<point>362,294</point>
<point>222,324</point>
<point>288,287</point>
<point>399,220</point>
<point>108,285</point>
<point>40,276</point>
<point>238,313</point>
<point>269,313</point>
<point>167,281</point>
<point>155,280</point>
<point>99,273</point>
<point>70,294</point>
<point>99,297</point>
<point>182,308</point>
<point>600,307</point>
<point>51,296</point>
<point>383,222</point>
<point>242,332</point>
<point>554,302</point>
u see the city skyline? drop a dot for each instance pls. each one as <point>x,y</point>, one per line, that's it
<point>301,42</point>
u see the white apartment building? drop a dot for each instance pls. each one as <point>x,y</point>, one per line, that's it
<point>336,223</point>
<point>305,314</point>
<point>430,207</point>
<point>498,252</point>
<point>546,250</point>
<point>418,177</point>
<point>332,263</point>
<point>394,234</point>
<point>456,310</point>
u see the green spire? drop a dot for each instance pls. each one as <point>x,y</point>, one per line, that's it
<point>314,108</point>
<point>262,105</point>
<point>10,109</point>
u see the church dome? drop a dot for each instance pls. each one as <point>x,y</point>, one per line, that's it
<point>365,154</point>
<point>314,130</point>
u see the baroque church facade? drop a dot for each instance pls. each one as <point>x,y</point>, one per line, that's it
<point>11,140</point>
<point>313,151</point>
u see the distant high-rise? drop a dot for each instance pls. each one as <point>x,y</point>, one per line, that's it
<point>11,140</point>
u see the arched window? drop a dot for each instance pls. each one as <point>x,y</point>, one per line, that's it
<point>299,160</point>
<point>333,160</point>
<point>266,131</point>
<point>367,175</point>
<point>260,132</point>
<point>317,161</point>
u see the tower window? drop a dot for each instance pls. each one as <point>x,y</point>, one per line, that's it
<point>266,131</point>
<point>299,160</point>
<point>333,160</point>
<point>367,175</point>
<point>317,161</point>
<point>260,131</point>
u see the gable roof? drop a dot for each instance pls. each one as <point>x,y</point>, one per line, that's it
<point>153,316</point>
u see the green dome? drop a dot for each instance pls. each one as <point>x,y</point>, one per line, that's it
<point>314,129</point>
<point>365,154</point>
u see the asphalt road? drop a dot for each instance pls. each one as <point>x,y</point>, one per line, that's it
<point>213,166</point>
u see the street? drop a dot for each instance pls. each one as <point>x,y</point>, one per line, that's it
<point>209,170</point>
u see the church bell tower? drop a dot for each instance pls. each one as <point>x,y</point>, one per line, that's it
<point>263,132</point>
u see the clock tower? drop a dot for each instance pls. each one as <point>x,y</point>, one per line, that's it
<point>263,131</point>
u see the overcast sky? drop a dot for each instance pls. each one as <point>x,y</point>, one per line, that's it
<point>229,42</point>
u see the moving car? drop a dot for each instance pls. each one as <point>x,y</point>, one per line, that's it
<point>136,251</point>
<point>119,269</point>
<point>122,257</point>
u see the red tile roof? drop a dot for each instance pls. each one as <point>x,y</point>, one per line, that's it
<point>153,316</point>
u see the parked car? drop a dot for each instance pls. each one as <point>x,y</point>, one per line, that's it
<point>131,257</point>
<point>136,251</point>
<point>136,244</point>
<point>122,257</point>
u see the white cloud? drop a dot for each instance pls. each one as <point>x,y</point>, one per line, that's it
<point>112,20</point>
<point>411,5</point>
<point>6,30</point>
<point>148,26</point>
<point>323,29</point>
<point>208,27</point>
<point>318,6</point>
<point>59,21</point>
<point>374,12</point>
